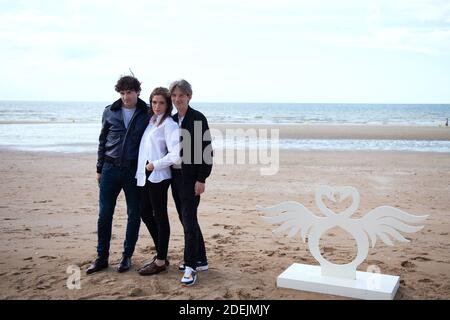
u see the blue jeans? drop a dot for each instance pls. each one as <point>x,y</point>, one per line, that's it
<point>112,181</point>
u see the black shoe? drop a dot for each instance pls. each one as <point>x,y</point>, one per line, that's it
<point>124,265</point>
<point>97,265</point>
<point>201,266</point>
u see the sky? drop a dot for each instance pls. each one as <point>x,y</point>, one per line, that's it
<point>317,51</point>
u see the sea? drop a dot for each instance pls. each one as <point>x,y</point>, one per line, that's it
<point>71,127</point>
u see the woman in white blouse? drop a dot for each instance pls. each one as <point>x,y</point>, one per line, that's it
<point>159,149</point>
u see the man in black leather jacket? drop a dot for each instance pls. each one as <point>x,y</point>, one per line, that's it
<point>123,124</point>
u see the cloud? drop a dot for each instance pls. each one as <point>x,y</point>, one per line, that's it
<point>414,25</point>
<point>218,44</point>
<point>418,26</point>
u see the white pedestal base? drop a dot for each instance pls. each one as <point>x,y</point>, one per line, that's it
<point>367,285</point>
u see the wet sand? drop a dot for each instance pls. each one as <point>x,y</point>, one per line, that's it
<point>314,131</point>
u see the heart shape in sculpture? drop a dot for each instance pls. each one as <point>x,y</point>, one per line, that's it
<point>337,195</point>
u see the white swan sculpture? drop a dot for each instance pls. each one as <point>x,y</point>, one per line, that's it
<point>382,222</point>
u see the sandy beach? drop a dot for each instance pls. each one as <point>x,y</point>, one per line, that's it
<point>49,208</point>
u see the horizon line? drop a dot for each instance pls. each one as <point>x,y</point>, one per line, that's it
<point>248,102</point>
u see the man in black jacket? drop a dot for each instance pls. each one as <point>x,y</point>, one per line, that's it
<point>123,124</point>
<point>188,180</point>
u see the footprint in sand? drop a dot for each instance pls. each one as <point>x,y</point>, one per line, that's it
<point>421,259</point>
<point>243,265</point>
<point>136,292</point>
<point>147,249</point>
<point>328,249</point>
<point>425,280</point>
<point>218,250</point>
<point>226,240</point>
<point>245,294</point>
<point>42,285</point>
<point>54,234</point>
<point>48,257</point>
<point>375,262</point>
<point>83,263</point>
<point>26,268</point>
<point>303,259</point>
<point>227,295</point>
<point>236,233</point>
<point>227,226</point>
<point>269,253</point>
<point>90,296</point>
<point>408,264</point>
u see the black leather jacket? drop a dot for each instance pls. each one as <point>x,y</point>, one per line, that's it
<point>117,142</point>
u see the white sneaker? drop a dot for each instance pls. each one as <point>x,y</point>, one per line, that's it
<point>189,277</point>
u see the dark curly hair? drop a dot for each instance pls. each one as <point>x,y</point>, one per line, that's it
<point>164,92</point>
<point>128,83</point>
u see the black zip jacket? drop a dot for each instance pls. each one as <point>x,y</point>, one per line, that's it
<point>194,163</point>
<point>115,141</point>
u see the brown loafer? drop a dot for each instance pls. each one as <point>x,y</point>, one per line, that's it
<point>147,263</point>
<point>152,261</point>
<point>152,269</point>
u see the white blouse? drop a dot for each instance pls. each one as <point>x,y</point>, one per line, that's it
<point>160,145</point>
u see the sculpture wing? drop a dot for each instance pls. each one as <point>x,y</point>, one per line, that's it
<point>292,216</point>
<point>385,222</point>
